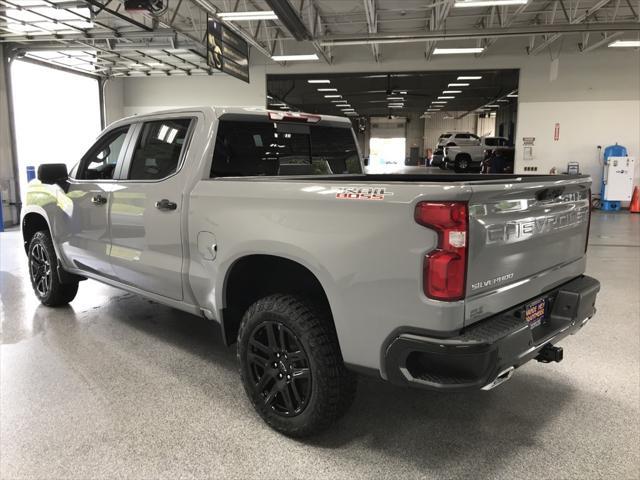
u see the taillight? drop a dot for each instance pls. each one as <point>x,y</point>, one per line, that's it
<point>445,268</point>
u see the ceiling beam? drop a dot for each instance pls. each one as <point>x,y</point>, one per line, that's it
<point>372,24</point>
<point>604,41</point>
<point>472,33</point>
<point>574,20</point>
<point>507,23</point>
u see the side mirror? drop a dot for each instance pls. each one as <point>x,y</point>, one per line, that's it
<point>53,173</point>
<point>365,160</point>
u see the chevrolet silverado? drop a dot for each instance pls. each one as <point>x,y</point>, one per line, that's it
<point>264,222</point>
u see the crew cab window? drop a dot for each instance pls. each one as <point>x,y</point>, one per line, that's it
<point>100,162</point>
<point>283,148</point>
<point>159,149</point>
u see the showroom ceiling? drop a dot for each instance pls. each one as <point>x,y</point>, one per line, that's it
<point>100,37</point>
<point>381,94</point>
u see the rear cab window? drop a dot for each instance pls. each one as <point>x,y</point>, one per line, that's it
<point>268,148</point>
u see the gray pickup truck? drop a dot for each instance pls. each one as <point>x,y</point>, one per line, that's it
<point>263,222</point>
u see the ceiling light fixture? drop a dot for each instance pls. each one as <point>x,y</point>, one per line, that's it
<point>453,51</point>
<point>451,91</point>
<point>246,16</point>
<point>318,81</point>
<point>446,97</point>
<point>395,98</point>
<point>493,106</point>
<point>458,85</point>
<point>338,101</point>
<point>472,77</point>
<point>294,58</point>
<point>438,101</point>
<point>333,96</point>
<point>327,89</point>
<point>502,100</point>
<point>488,3</point>
<point>513,95</point>
<point>625,44</point>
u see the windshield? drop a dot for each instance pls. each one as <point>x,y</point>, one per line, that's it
<point>283,148</point>
<point>445,135</point>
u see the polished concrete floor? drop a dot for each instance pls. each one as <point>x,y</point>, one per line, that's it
<point>116,386</point>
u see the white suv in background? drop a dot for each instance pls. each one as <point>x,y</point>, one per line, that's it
<point>458,138</point>
<point>451,139</point>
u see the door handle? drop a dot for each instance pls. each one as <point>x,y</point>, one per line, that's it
<point>165,204</point>
<point>98,200</point>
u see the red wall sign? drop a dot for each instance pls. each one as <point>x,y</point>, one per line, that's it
<point>556,132</point>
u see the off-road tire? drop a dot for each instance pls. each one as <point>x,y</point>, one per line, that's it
<point>332,386</point>
<point>52,292</point>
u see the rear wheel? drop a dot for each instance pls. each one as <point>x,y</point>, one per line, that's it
<point>291,366</point>
<point>43,266</point>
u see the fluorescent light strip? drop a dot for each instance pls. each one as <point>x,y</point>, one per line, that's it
<point>318,81</point>
<point>513,95</point>
<point>625,44</point>
<point>472,77</point>
<point>395,98</point>
<point>256,15</point>
<point>493,106</point>
<point>338,101</point>
<point>345,106</point>
<point>327,89</point>
<point>333,96</point>
<point>451,91</point>
<point>396,106</point>
<point>488,3</point>
<point>294,58</point>
<point>446,98</point>
<point>502,100</point>
<point>458,85</point>
<point>453,51</point>
<point>437,101</point>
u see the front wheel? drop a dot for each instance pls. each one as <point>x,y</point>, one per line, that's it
<point>462,164</point>
<point>291,366</point>
<point>43,265</point>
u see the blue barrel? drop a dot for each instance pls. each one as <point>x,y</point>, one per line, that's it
<point>615,151</point>
<point>31,173</point>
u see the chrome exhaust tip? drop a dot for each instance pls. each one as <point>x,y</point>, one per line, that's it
<point>500,379</point>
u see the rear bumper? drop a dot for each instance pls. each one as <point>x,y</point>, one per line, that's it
<point>492,348</point>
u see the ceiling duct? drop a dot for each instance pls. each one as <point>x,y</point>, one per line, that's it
<point>290,19</point>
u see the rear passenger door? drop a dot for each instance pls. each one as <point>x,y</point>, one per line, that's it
<point>146,230</point>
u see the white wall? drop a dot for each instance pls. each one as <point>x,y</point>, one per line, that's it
<point>595,98</point>
<point>137,95</point>
<point>7,175</point>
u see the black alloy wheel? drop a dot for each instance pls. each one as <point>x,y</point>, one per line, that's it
<point>279,367</point>
<point>40,269</point>
<point>44,273</point>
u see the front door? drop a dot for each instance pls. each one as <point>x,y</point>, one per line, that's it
<point>146,231</point>
<point>88,244</point>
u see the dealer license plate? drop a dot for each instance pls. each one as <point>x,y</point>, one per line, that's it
<point>534,312</point>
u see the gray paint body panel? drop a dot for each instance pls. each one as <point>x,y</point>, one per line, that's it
<point>367,254</point>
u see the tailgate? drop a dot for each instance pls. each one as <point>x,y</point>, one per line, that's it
<point>524,239</point>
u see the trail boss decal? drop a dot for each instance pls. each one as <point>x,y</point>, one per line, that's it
<point>362,193</point>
